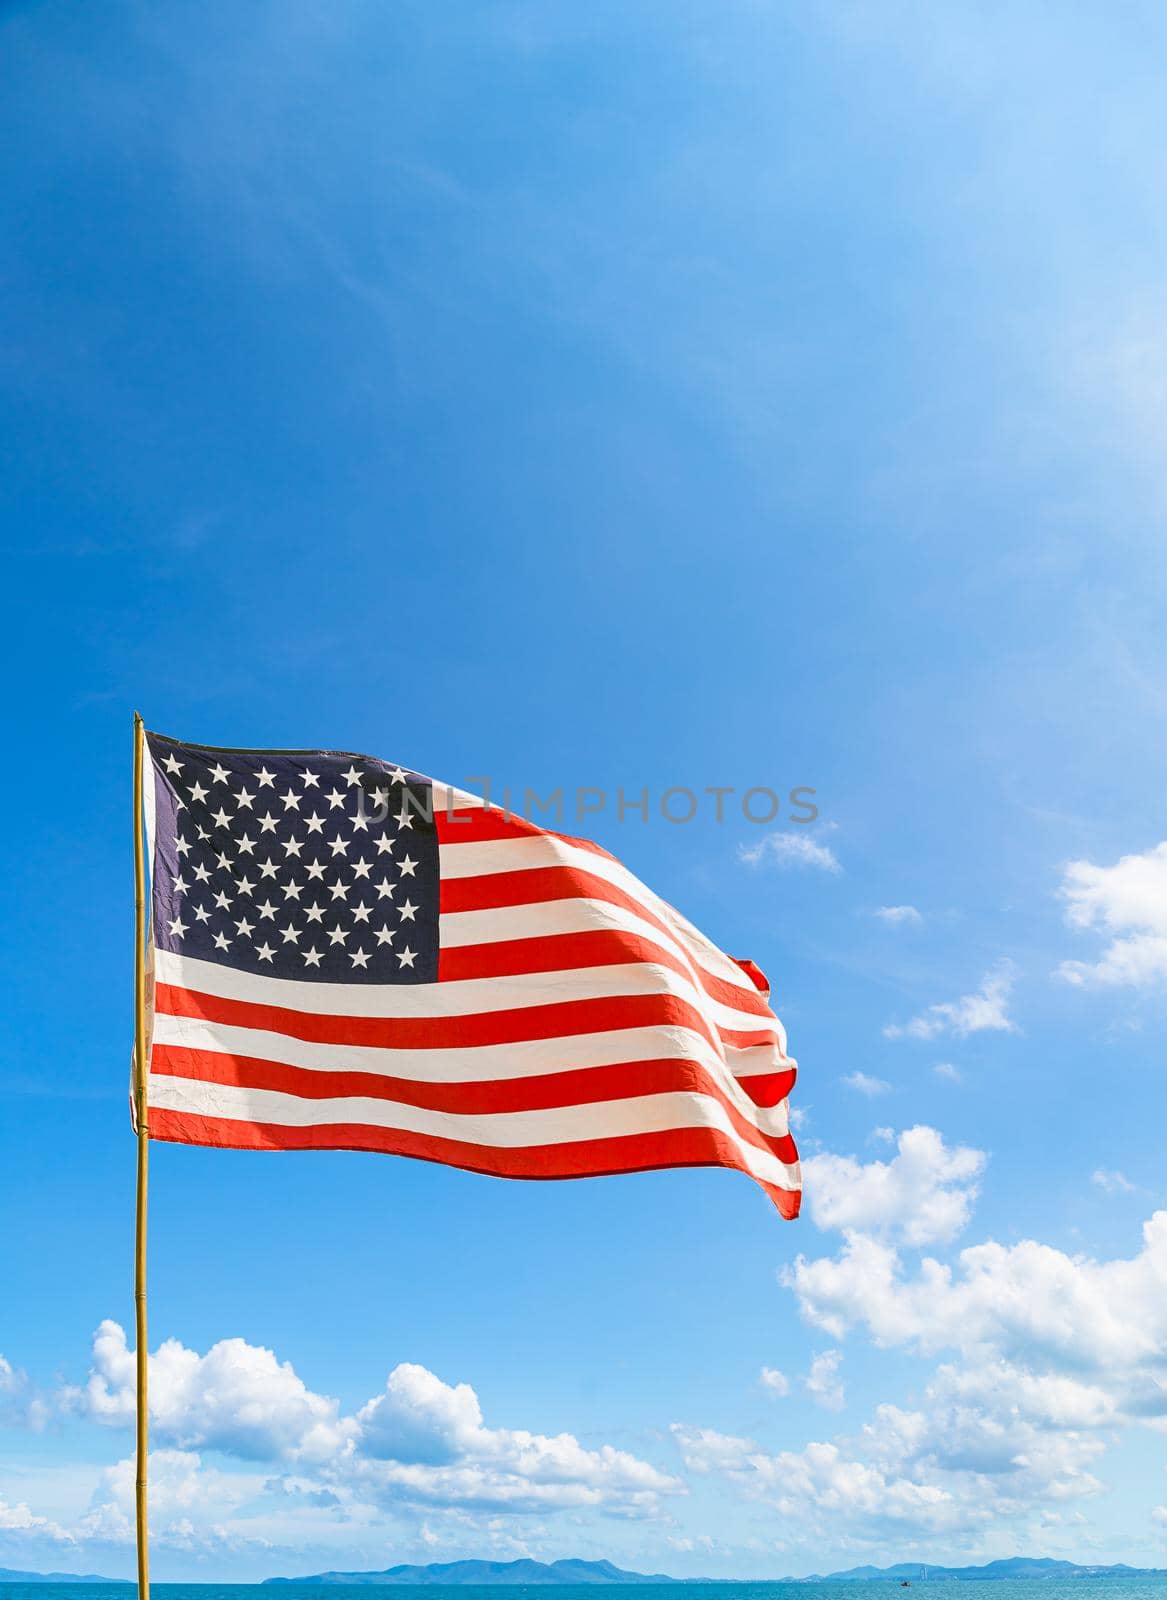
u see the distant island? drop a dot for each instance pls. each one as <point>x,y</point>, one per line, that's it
<point>479,1572</point>
<point>1013,1567</point>
<point>10,1575</point>
<point>600,1572</point>
<point>514,1573</point>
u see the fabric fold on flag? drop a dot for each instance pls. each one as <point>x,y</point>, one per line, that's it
<point>348,955</point>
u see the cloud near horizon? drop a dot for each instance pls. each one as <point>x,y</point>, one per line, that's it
<point>1045,1357</point>
<point>1036,1360</point>
<point>419,1443</point>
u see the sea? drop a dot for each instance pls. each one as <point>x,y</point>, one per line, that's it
<point>1083,1588</point>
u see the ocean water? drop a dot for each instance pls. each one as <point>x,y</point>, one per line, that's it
<point>995,1589</point>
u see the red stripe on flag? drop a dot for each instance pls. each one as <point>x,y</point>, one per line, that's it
<point>555,952</point>
<point>585,1158</point>
<point>537,885</point>
<point>487,825</point>
<point>579,1086</point>
<point>595,947</point>
<point>553,1021</point>
<point>490,891</point>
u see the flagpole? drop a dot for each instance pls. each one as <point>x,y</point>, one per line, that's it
<point>143,1131</point>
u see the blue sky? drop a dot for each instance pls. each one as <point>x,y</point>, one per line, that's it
<point>657,395</point>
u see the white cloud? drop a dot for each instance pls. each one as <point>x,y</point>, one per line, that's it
<point>421,1442</point>
<point>425,1440</point>
<point>1054,1353</point>
<point>973,1013</point>
<point>705,1451</point>
<point>924,1194</point>
<point>821,1485</point>
<point>238,1398</point>
<point>420,1419</point>
<point>823,1382</point>
<point>20,1405</point>
<point>997,1388</point>
<point>898,916</point>
<point>18,1519</point>
<point>950,1073</point>
<point>1043,1357</point>
<point>862,1084</point>
<point>977,1453</point>
<point>787,850</point>
<point>1111,1181</point>
<point>1025,1303</point>
<point>1129,901</point>
<point>181,1490</point>
<point>1159,1514</point>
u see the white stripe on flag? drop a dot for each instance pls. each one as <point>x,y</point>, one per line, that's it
<point>460,998</point>
<point>510,1130</point>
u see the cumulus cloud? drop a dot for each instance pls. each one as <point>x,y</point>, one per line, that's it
<point>18,1519</point>
<point>947,1071</point>
<point>1027,1303</point>
<point>425,1440</point>
<point>787,850</point>
<point>987,1009</point>
<point>1036,1358</point>
<point>823,1485</point>
<point>237,1398</point>
<point>863,1084</point>
<point>898,916</point>
<point>421,1442</point>
<point>945,1469</point>
<point>190,1504</point>
<point>1043,1356</point>
<point>923,1195</point>
<point>1052,1353</point>
<point>823,1383</point>
<point>1128,901</point>
<point>705,1451</point>
<point>420,1419</point>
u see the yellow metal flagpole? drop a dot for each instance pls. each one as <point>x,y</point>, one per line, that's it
<point>143,1130</point>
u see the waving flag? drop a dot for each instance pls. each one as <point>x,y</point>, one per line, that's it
<point>347,955</point>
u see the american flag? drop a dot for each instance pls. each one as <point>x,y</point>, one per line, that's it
<point>346,955</point>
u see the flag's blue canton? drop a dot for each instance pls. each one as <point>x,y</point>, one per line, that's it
<point>307,865</point>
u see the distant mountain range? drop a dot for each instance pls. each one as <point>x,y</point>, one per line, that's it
<point>10,1575</point>
<point>1015,1567</point>
<point>506,1572</point>
<point>603,1572</point>
<point>600,1572</point>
